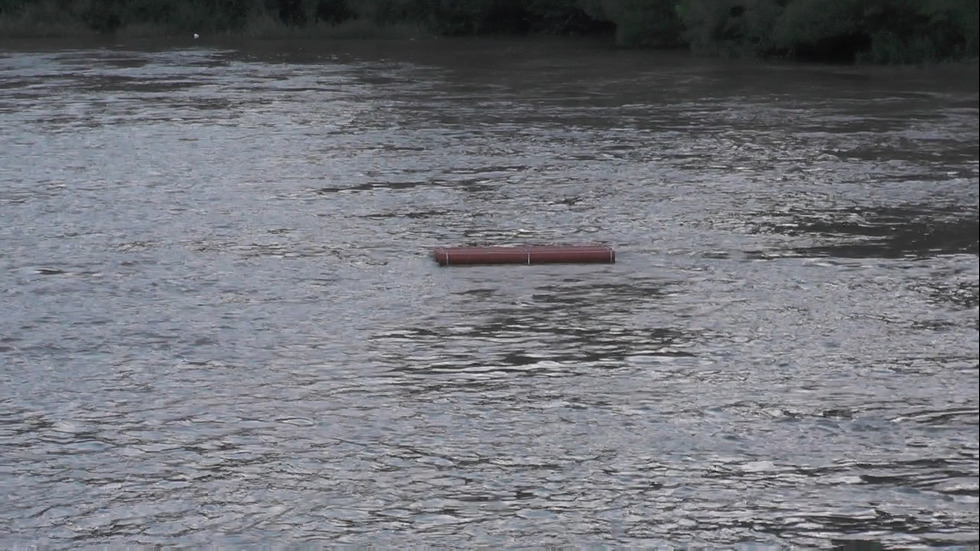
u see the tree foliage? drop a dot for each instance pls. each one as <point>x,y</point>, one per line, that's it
<point>880,31</point>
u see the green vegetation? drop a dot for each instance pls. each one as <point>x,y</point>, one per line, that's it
<point>878,31</point>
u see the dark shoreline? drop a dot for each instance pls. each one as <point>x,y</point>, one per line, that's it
<point>886,32</point>
<point>412,49</point>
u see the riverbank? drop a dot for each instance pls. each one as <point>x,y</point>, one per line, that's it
<point>258,27</point>
<point>887,32</point>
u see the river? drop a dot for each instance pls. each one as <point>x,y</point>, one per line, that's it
<point>222,325</point>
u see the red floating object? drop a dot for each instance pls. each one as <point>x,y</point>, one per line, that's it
<point>457,256</point>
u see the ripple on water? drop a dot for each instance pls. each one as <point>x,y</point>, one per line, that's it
<point>222,324</point>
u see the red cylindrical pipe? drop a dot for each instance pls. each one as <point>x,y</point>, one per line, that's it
<point>455,256</point>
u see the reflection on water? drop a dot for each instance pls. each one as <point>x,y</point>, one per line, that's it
<point>222,324</point>
<point>575,326</point>
<point>888,232</point>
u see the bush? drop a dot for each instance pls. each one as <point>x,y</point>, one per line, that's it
<point>651,23</point>
<point>880,31</point>
<point>820,30</point>
<point>23,18</point>
<point>916,31</point>
<point>737,28</point>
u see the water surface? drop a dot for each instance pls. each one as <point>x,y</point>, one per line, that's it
<point>221,323</point>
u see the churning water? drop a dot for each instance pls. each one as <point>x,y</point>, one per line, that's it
<point>220,323</point>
